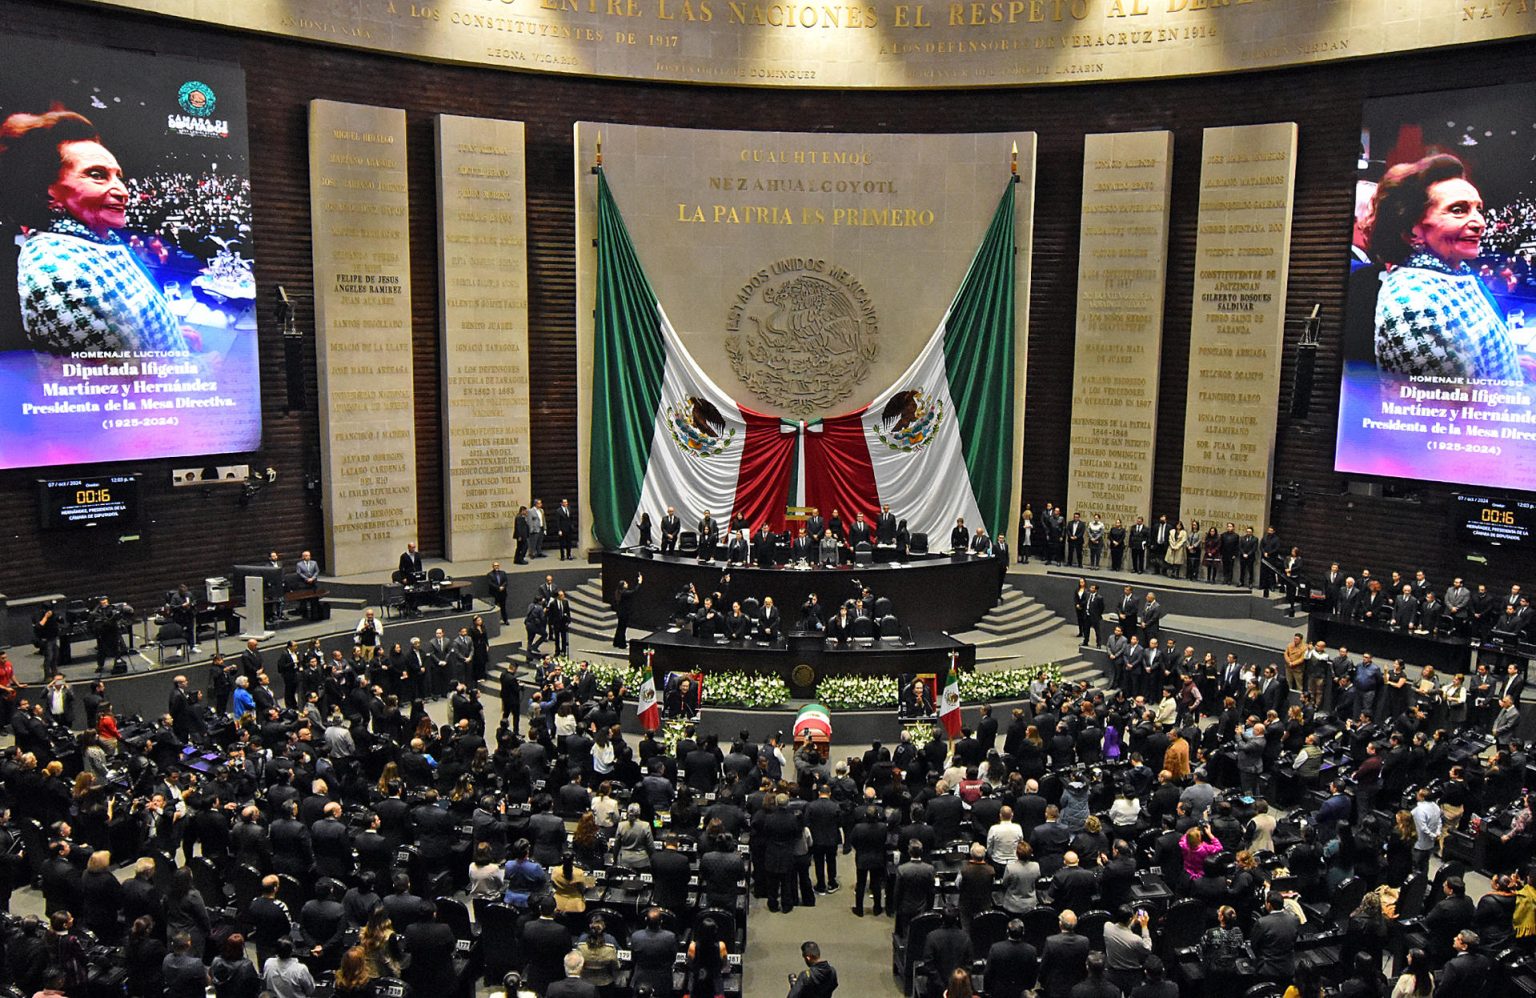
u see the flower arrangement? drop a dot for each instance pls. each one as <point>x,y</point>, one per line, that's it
<point>920,733</point>
<point>672,732</point>
<point>765,691</point>
<point>857,692</point>
<point>755,691</point>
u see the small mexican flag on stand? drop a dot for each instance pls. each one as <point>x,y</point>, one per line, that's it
<point>650,708</point>
<point>949,703</point>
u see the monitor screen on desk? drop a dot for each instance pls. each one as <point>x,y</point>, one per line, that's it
<point>271,576</point>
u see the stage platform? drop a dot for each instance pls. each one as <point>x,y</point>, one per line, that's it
<point>801,659</point>
<point>935,593</point>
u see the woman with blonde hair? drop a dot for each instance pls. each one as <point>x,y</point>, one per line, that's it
<point>354,979</point>
<point>381,947</point>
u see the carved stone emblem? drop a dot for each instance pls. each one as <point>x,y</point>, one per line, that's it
<point>801,334</point>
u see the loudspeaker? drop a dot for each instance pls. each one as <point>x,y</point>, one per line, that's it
<point>1301,387</point>
<point>293,365</point>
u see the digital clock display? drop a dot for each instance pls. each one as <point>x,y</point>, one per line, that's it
<point>89,502</point>
<point>1496,522</point>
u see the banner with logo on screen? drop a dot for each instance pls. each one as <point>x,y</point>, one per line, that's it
<point>1439,337</point>
<point>127,298</point>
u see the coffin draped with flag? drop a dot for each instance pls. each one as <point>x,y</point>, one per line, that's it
<point>936,445</point>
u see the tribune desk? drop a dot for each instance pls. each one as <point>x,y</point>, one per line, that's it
<point>930,593</point>
<point>799,658</point>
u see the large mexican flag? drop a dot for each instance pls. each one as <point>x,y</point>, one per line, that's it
<point>663,433</point>
<point>937,445</point>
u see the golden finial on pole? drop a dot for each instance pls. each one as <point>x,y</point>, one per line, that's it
<point>600,148</point>
<point>1013,163</point>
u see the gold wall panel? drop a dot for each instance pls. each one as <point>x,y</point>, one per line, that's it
<point>891,44</point>
<point>1237,329</point>
<point>482,232</point>
<point>359,220</point>
<point>1122,264</point>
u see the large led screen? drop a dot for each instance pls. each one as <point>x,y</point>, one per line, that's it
<point>127,300</point>
<point>1440,326</point>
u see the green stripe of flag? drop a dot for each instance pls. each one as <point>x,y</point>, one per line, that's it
<point>978,357</point>
<point>629,360</point>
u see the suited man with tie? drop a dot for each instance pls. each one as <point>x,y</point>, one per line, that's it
<point>410,562</point>
<point>1077,532</point>
<point>859,532</point>
<point>1513,683</point>
<point>1129,608</point>
<point>1347,601</point>
<point>497,579</point>
<point>1080,609</point>
<point>671,526</point>
<point>1139,537</point>
<point>1157,545</point>
<point>1094,607</point>
<point>558,617</point>
<point>1232,677</point>
<point>707,532</point>
<point>1332,583</point>
<point>804,549</point>
<point>565,529</point>
<point>437,665</point>
<point>764,547</point>
<point>814,524</point>
<point>1404,609</point>
<point>885,525</point>
<point>1135,666</point>
<point>981,544</point>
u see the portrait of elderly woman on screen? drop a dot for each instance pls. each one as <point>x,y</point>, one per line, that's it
<point>82,288</point>
<point>1433,315</point>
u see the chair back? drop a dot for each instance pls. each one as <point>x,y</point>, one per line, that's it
<point>207,879</point>
<point>455,914</point>
<point>291,891</point>
<point>1346,898</point>
<point>499,940</point>
<point>1039,925</point>
<point>987,928</point>
<point>1183,925</point>
<point>688,541</point>
<point>751,607</point>
<point>863,554</point>
<point>436,575</point>
<point>1091,924</point>
<point>918,543</point>
<point>863,627</point>
<point>884,607</point>
<point>1411,898</point>
<point>890,627</point>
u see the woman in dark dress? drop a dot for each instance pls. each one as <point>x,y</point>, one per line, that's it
<point>480,654</point>
<point>143,958</point>
<point>645,530</point>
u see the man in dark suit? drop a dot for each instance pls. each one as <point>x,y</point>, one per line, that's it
<point>565,528</point>
<point>1012,964</point>
<point>431,945</point>
<point>670,871</point>
<point>1332,583</point>
<point>859,533</point>
<point>1346,602</point>
<point>1064,961</point>
<point>1140,536</point>
<point>653,949</point>
<point>497,582</point>
<point>671,526</point>
<point>947,948</point>
<point>815,524</point>
<point>1157,545</point>
<point>1247,557</point>
<point>1228,545</point>
<point>558,618</point>
<point>1073,888</point>
<point>545,943</point>
<point>1129,608</point>
<point>1273,939</point>
<point>1466,973</point>
<point>1077,532</point>
<point>250,660</point>
<point>1094,607</point>
<point>569,986</point>
<point>770,620</point>
<point>410,561</point>
<point>885,525</point>
<point>803,548</point>
<point>764,545</point>
<point>912,892</point>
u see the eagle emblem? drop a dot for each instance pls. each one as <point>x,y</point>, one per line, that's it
<point>909,420</point>
<point>698,427</point>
